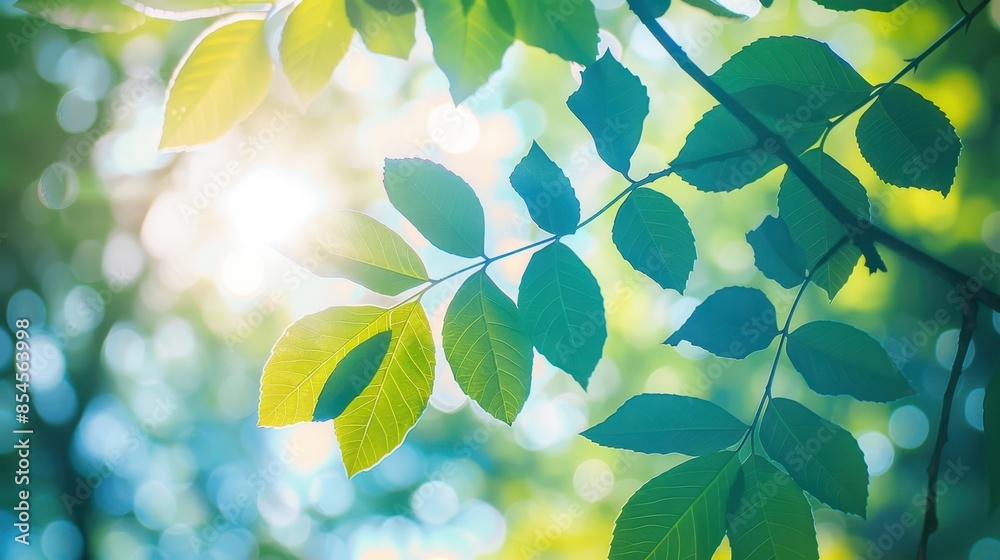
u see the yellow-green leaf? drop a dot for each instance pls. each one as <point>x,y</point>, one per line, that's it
<point>180,10</point>
<point>86,15</point>
<point>220,82</point>
<point>469,42</point>
<point>388,32</point>
<point>313,41</point>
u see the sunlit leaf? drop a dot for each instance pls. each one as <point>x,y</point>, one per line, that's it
<point>180,10</point>
<point>551,201</point>
<point>393,6</point>
<point>487,347</point>
<point>829,84</point>
<point>731,323</point>
<point>776,254</point>
<point>653,423</point>
<point>814,228</point>
<point>851,5</point>
<point>469,43</point>
<point>315,38</point>
<point>566,29</point>
<point>346,244</point>
<point>721,154</point>
<point>612,103</point>
<point>908,141</point>
<point>653,235</point>
<point>838,359</point>
<point>563,311</point>
<point>219,83</point>
<point>440,204</point>
<point>991,425</point>
<point>86,15</point>
<point>351,375</point>
<point>770,518</point>
<point>390,32</point>
<point>823,458</point>
<point>679,514</point>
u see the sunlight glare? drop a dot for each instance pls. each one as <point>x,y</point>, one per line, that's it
<point>268,203</point>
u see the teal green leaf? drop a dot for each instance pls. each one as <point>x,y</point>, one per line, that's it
<point>852,5</point>
<point>721,154</point>
<point>776,254</point>
<point>652,423</point>
<point>991,425</point>
<point>393,6</point>
<point>829,84</point>
<point>838,359</point>
<point>346,244</point>
<point>656,8</point>
<point>814,228</point>
<point>823,458</point>
<point>440,204</point>
<point>551,201</point>
<point>679,514</point>
<point>733,323</point>
<point>568,30</point>
<point>352,374</point>
<point>468,42</point>
<point>770,518</point>
<point>612,103</point>
<point>715,9</point>
<point>93,16</point>
<point>563,311</point>
<point>908,141</point>
<point>653,235</point>
<point>390,32</point>
<point>314,40</point>
<point>487,347</point>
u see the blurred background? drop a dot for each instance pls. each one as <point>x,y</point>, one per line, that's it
<point>154,298</point>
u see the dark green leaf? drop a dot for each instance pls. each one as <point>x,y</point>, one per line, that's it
<point>721,154</point>
<point>814,228</point>
<point>908,141</point>
<point>830,85</point>
<point>823,458</point>
<point>776,254</point>
<point>346,244</point>
<point>468,43</point>
<point>651,423</point>
<point>715,9</point>
<point>654,7</point>
<point>770,518</point>
<point>732,323</point>
<point>851,5</point>
<point>547,192</point>
<point>566,29</point>
<point>838,359</point>
<point>388,32</point>
<point>351,375</point>
<point>563,311</point>
<point>991,425</point>
<point>393,6</point>
<point>485,343</point>
<point>679,514</point>
<point>440,204</point>
<point>653,235</point>
<point>612,103</point>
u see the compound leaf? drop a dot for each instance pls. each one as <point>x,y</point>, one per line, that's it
<point>469,43</point>
<point>315,38</point>
<point>551,201</point>
<point>733,322</point>
<point>776,254</point>
<point>568,30</point>
<point>653,235</point>
<point>390,31</point>
<point>351,375</point>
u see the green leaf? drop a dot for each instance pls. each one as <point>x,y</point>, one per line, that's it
<point>651,423</point>
<point>908,141</point>
<point>814,228</point>
<point>313,41</point>
<point>390,32</point>
<point>563,311</point>
<point>823,458</point>
<point>92,16</point>
<point>770,518</point>
<point>565,29</point>
<point>721,154</point>
<point>219,83</point>
<point>653,235</point>
<point>851,5</point>
<point>468,42</point>
<point>838,359</point>
<point>804,65</point>
<point>715,9</point>
<point>393,6</point>
<point>612,103</point>
<point>547,192</point>
<point>776,254</point>
<point>731,323</point>
<point>991,426</point>
<point>440,204</point>
<point>182,10</point>
<point>656,8</point>
<point>346,244</point>
<point>351,375</point>
<point>487,347</point>
<point>679,514</point>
